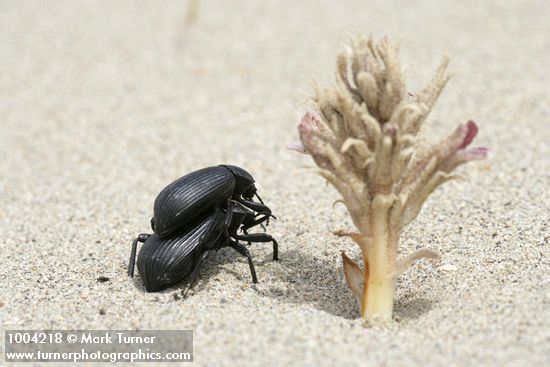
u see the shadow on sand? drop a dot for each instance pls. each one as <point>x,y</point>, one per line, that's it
<point>299,279</point>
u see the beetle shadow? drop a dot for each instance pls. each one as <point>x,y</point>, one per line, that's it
<point>304,279</point>
<point>295,278</point>
<point>211,268</point>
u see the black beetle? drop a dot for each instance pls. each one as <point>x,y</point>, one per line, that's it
<point>163,262</point>
<point>190,196</point>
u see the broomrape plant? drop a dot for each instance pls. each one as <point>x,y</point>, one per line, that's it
<point>365,142</point>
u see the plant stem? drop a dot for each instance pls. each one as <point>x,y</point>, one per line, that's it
<point>379,297</point>
<point>381,252</point>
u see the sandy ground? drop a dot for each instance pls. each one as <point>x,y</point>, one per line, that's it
<point>104,103</point>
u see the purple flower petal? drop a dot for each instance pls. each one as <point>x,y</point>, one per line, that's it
<point>471,154</point>
<point>297,146</point>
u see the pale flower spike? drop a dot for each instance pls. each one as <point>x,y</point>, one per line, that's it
<point>365,143</point>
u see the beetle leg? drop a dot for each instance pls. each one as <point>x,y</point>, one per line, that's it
<point>246,233</point>
<point>260,237</point>
<point>257,207</point>
<point>244,251</point>
<point>131,264</point>
<point>195,273</point>
<point>255,222</point>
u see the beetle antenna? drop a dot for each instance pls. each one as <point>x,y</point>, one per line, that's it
<point>259,198</point>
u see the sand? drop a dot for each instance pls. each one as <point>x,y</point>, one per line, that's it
<point>104,103</point>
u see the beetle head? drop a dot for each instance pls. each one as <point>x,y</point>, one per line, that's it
<point>244,182</point>
<point>249,193</point>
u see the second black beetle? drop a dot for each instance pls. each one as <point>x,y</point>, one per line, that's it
<point>195,215</point>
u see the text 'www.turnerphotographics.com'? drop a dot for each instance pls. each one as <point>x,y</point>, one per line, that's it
<point>99,345</point>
